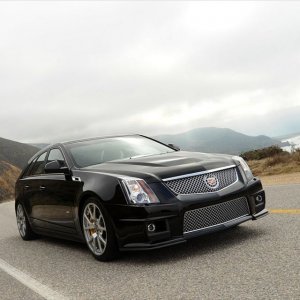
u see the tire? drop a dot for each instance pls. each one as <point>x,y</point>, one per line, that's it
<point>23,224</point>
<point>98,231</point>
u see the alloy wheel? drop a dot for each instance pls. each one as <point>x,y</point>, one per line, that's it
<point>94,228</point>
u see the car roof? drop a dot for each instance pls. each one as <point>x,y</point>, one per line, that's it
<point>98,138</point>
<point>61,144</point>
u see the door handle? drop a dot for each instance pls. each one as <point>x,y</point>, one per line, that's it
<point>26,187</point>
<point>42,188</point>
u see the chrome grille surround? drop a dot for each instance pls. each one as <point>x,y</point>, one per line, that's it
<point>195,183</point>
<point>216,214</point>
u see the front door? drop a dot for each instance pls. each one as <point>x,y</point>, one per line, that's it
<point>57,196</point>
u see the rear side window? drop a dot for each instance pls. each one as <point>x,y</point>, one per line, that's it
<point>55,154</point>
<point>38,167</point>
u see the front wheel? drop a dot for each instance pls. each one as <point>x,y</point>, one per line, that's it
<point>98,231</point>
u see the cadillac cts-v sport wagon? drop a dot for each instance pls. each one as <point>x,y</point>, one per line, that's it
<point>133,193</point>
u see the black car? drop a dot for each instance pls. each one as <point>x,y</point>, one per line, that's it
<point>133,193</point>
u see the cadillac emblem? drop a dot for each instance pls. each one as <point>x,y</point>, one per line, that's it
<point>211,181</point>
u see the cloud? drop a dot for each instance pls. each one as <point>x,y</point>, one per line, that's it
<point>75,69</point>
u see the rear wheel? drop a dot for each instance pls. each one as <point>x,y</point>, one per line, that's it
<point>23,224</point>
<point>98,231</point>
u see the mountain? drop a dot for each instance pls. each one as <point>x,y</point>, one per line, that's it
<point>39,145</point>
<point>16,153</point>
<point>287,136</point>
<point>8,177</point>
<point>218,140</point>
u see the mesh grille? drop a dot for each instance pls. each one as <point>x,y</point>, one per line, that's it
<point>198,183</point>
<point>215,214</point>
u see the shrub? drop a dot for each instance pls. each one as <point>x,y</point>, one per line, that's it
<point>296,155</point>
<point>263,153</point>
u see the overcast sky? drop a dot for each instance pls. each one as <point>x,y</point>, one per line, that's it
<point>81,69</point>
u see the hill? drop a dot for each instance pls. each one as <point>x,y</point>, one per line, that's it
<point>218,140</point>
<point>39,145</point>
<point>8,177</point>
<point>16,153</point>
<point>287,136</point>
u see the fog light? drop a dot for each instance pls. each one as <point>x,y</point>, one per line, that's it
<point>258,198</point>
<point>151,227</point>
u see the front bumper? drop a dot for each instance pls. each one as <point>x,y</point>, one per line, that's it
<point>261,214</point>
<point>132,227</point>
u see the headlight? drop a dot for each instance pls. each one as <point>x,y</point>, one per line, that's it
<point>244,166</point>
<point>138,191</point>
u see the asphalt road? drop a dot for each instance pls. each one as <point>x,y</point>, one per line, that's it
<point>257,260</point>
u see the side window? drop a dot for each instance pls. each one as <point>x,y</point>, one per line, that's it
<point>38,167</point>
<point>55,154</point>
<point>28,169</point>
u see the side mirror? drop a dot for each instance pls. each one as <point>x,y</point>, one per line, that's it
<point>55,167</point>
<point>176,148</point>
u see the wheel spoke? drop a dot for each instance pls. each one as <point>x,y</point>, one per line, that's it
<point>94,212</point>
<point>102,228</point>
<point>90,212</point>
<point>99,244</point>
<point>94,244</point>
<point>87,219</point>
<point>88,227</point>
<point>101,239</point>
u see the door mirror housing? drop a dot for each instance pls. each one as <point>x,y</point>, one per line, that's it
<point>55,167</point>
<point>176,148</point>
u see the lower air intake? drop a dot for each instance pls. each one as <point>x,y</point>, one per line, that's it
<point>215,214</point>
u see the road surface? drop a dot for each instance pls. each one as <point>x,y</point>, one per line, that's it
<point>256,260</point>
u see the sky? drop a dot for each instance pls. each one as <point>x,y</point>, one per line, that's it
<point>81,69</point>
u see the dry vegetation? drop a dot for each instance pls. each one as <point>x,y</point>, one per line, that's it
<point>282,163</point>
<point>274,166</point>
<point>8,177</point>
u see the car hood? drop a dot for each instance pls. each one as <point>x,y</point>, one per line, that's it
<point>157,167</point>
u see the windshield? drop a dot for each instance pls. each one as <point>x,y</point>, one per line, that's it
<point>93,152</point>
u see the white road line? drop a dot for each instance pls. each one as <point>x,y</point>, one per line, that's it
<point>31,283</point>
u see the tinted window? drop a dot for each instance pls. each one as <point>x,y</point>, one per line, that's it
<point>98,151</point>
<point>55,154</point>
<point>38,167</point>
<point>28,168</point>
